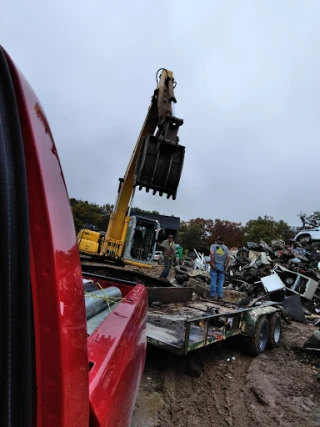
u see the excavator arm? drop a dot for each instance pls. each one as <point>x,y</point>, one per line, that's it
<point>156,162</point>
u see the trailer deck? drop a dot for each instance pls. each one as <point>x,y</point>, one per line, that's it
<point>180,327</point>
<point>179,321</point>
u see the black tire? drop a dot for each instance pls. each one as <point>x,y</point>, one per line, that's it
<point>17,358</point>
<point>242,254</point>
<point>181,269</point>
<point>258,342</point>
<point>274,330</point>
<point>179,278</point>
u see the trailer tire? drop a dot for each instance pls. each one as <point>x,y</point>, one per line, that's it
<point>274,330</point>
<point>259,340</point>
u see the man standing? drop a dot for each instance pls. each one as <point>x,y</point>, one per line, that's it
<point>219,256</point>
<point>169,253</point>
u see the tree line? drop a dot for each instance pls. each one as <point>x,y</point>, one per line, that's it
<point>200,233</point>
<point>196,233</point>
<point>85,214</point>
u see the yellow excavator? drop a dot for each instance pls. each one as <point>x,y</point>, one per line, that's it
<point>156,164</point>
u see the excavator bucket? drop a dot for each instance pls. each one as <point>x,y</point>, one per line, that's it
<point>160,158</point>
<point>160,165</point>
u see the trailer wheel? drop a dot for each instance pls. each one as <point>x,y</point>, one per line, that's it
<point>274,330</point>
<point>258,342</point>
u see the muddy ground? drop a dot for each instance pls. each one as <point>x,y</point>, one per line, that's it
<point>155,271</point>
<point>278,388</point>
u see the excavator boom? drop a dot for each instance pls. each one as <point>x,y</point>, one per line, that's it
<point>156,162</point>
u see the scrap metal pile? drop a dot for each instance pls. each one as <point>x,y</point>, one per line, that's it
<point>311,221</point>
<point>257,269</point>
<point>277,271</point>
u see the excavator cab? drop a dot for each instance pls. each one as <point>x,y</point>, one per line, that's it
<point>141,239</point>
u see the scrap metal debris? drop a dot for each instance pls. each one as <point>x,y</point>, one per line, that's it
<point>275,271</point>
<point>313,341</point>
<point>311,221</point>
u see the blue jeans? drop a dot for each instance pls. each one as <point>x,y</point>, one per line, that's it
<point>167,266</point>
<point>217,277</point>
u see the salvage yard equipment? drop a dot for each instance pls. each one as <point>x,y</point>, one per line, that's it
<point>156,164</point>
<point>179,324</point>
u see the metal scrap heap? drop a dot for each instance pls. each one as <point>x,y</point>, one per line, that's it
<point>291,269</point>
<point>288,274</point>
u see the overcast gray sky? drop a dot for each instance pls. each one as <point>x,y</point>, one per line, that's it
<point>248,76</point>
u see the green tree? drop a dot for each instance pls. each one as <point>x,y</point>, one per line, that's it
<point>203,232</point>
<point>85,213</point>
<point>190,236</point>
<point>267,229</point>
<point>138,210</point>
<point>232,232</point>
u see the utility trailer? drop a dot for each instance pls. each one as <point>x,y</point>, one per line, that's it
<point>179,323</point>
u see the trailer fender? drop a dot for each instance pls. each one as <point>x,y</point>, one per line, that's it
<point>251,317</point>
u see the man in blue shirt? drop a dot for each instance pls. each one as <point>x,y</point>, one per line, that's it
<point>219,260</point>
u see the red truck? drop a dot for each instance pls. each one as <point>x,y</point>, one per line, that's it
<point>52,372</point>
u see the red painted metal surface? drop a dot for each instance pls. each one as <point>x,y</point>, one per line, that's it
<point>57,291</point>
<point>117,348</point>
<point>117,354</point>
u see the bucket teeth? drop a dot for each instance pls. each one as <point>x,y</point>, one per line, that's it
<point>159,166</point>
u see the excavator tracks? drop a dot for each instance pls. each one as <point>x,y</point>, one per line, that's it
<point>127,274</point>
